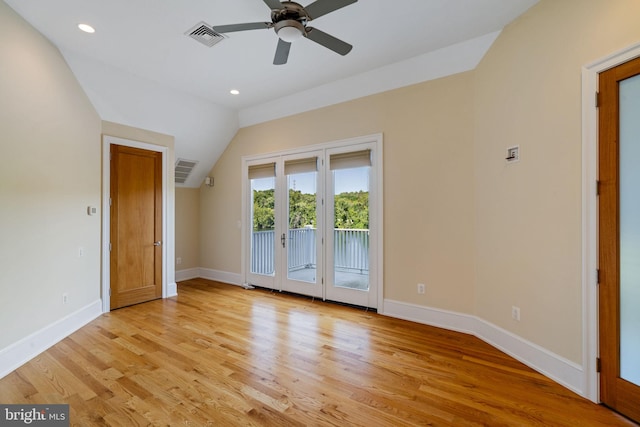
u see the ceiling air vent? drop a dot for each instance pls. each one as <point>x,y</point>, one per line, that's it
<point>183,170</point>
<point>205,34</point>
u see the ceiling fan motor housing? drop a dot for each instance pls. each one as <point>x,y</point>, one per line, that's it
<point>289,22</point>
<point>290,11</point>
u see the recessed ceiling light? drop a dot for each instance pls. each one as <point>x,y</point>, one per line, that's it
<point>86,28</point>
<point>234,92</point>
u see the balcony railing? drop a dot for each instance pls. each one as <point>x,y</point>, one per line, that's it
<point>350,249</point>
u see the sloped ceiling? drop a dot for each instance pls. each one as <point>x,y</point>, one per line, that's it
<point>140,69</point>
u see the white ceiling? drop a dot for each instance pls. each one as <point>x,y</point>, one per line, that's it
<point>140,69</point>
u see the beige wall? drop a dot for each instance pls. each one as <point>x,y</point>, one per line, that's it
<point>50,145</point>
<point>528,215</point>
<point>428,175</point>
<point>188,227</point>
<point>483,235</point>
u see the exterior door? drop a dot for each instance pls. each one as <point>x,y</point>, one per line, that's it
<point>311,222</point>
<point>286,224</point>
<point>302,224</point>
<point>136,226</point>
<point>619,238</point>
<point>350,220</point>
<point>262,223</point>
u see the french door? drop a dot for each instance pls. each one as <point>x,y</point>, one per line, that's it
<point>619,238</point>
<point>311,223</point>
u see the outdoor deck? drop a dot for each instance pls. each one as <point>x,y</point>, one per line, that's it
<point>350,256</point>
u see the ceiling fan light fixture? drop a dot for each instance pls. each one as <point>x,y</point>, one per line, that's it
<point>289,30</point>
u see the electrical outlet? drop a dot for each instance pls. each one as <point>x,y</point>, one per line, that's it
<point>80,252</point>
<point>178,260</point>
<point>421,288</point>
<point>515,313</point>
<point>65,298</point>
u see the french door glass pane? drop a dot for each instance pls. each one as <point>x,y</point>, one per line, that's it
<point>302,226</point>
<point>351,228</point>
<point>630,230</point>
<point>263,226</point>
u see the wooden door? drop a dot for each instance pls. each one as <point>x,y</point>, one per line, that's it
<point>136,226</point>
<point>619,238</point>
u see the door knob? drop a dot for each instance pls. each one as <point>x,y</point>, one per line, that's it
<point>158,243</point>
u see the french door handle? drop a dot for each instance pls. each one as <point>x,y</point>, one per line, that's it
<point>283,239</point>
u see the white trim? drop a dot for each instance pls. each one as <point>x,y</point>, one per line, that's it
<point>19,353</point>
<point>221,276</point>
<point>557,368</point>
<point>188,274</point>
<point>168,288</point>
<point>172,290</point>
<point>590,338</point>
<point>445,319</point>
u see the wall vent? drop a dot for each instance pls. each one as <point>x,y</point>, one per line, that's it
<point>183,170</point>
<point>205,34</point>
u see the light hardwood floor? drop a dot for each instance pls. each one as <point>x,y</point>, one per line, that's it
<point>221,355</point>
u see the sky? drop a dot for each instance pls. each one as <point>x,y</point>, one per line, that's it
<point>346,180</point>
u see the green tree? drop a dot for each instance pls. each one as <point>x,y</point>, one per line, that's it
<point>263,210</point>
<point>302,209</point>
<point>351,210</point>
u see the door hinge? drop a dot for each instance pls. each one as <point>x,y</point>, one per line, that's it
<point>110,201</point>
<point>597,99</point>
<point>598,364</point>
<point>597,187</point>
<point>109,291</point>
<point>597,276</point>
<point>109,246</point>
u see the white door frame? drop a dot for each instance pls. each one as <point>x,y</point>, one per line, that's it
<point>107,141</point>
<point>377,258</point>
<point>590,335</point>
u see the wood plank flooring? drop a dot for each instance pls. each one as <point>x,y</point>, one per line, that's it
<point>221,355</point>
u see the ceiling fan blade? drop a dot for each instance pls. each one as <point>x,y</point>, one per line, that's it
<point>328,41</point>
<point>322,7</point>
<point>241,27</point>
<point>273,4</point>
<point>282,52</point>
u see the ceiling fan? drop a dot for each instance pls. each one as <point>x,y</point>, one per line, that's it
<point>289,20</point>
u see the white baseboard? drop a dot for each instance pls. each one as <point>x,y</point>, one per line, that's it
<point>563,371</point>
<point>221,276</point>
<point>188,274</point>
<point>21,352</point>
<point>172,289</point>
<point>430,316</point>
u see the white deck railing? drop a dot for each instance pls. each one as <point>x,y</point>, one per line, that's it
<point>350,248</point>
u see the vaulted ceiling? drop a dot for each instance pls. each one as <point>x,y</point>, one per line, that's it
<point>140,68</point>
